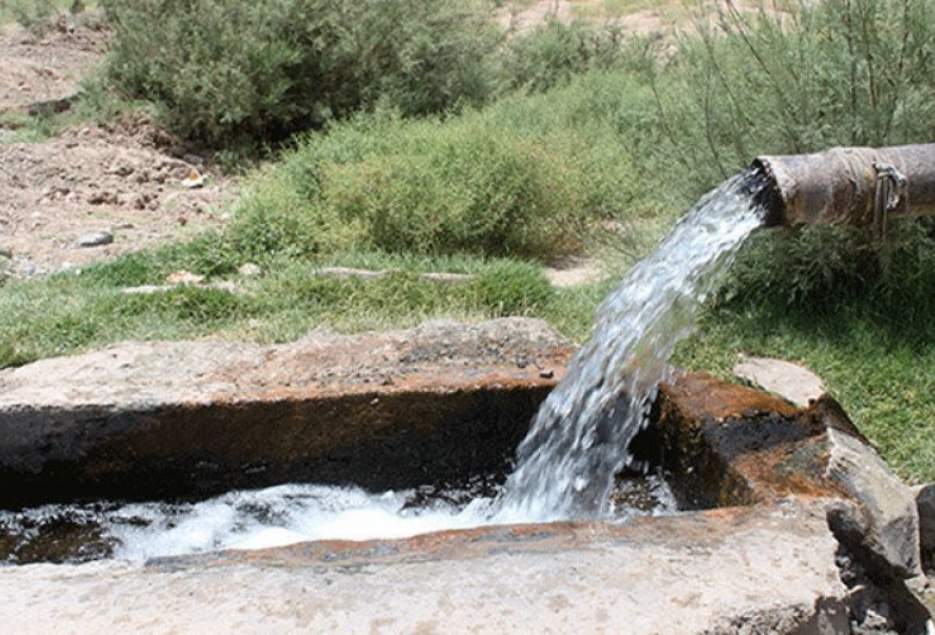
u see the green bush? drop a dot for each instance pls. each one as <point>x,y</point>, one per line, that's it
<point>836,72</point>
<point>555,52</point>
<point>33,15</point>
<point>471,188</point>
<point>830,269</point>
<point>227,72</point>
<point>527,176</point>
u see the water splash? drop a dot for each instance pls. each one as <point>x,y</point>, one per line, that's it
<point>577,444</point>
<point>272,517</point>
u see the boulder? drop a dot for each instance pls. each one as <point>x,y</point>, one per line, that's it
<point>724,444</point>
<point>888,506</point>
<point>790,381</point>
<point>925,505</point>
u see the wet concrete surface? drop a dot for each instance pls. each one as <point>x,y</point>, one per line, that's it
<point>766,570</point>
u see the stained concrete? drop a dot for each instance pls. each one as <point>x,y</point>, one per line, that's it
<point>145,420</point>
<point>727,571</point>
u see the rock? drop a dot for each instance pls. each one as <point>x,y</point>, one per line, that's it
<point>249,270</point>
<point>729,445</point>
<point>727,572</point>
<point>194,180</point>
<point>95,239</point>
<point>142,419</point>
<point>890,519</point>
<point>790,381</point>
<point>184,277</point>
<point>6,253</point>
<point>149,289</point>
<point>925,505</point>
<point>350,272</point>
<point>367,274</point>
<point>104,198</point>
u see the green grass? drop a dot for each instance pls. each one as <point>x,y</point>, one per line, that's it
<point>68,313</point>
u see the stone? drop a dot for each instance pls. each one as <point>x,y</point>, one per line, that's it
<point>925,505</point>
<point>367,274</point>
<point>194,180</point>
<point>155,419</point>
<point>249,270</point>
<point>756,570</point>
<point>150,289</point>
<point>891,530</point>
<point>104,198</point>
<point>728,445</point>
<point>95,239</point>
<point>184,277</point>
<point>790,381</point>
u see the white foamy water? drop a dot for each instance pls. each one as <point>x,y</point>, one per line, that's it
<point>579,438</point>
<point>259,519</point>
<point>279,516</point>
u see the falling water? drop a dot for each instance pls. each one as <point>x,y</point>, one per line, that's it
<point>579,438</point>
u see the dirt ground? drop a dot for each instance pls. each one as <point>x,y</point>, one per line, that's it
<point>46,68</point>
<point>125,178</point>
<point>523,16</point>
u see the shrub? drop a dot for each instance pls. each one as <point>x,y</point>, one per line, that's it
<point>33,15</point>
<point>225,71</point>
<point>555,52</point>
<point>837,72</point>
<point>828,269</point>
<point>470,188</point>
<point>527,176</point>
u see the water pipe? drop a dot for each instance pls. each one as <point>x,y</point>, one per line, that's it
<point>856,186</point>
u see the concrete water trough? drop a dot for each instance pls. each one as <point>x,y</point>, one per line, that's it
<point>789,521</point>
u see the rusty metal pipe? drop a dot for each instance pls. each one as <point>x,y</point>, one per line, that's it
<point>855,186</point>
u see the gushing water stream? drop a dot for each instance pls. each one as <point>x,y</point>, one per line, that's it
<point>579,439</point>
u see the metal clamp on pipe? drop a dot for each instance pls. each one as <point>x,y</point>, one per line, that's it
<point>855,186</point>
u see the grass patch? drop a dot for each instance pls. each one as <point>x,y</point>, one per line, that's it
<point>68,313</point>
